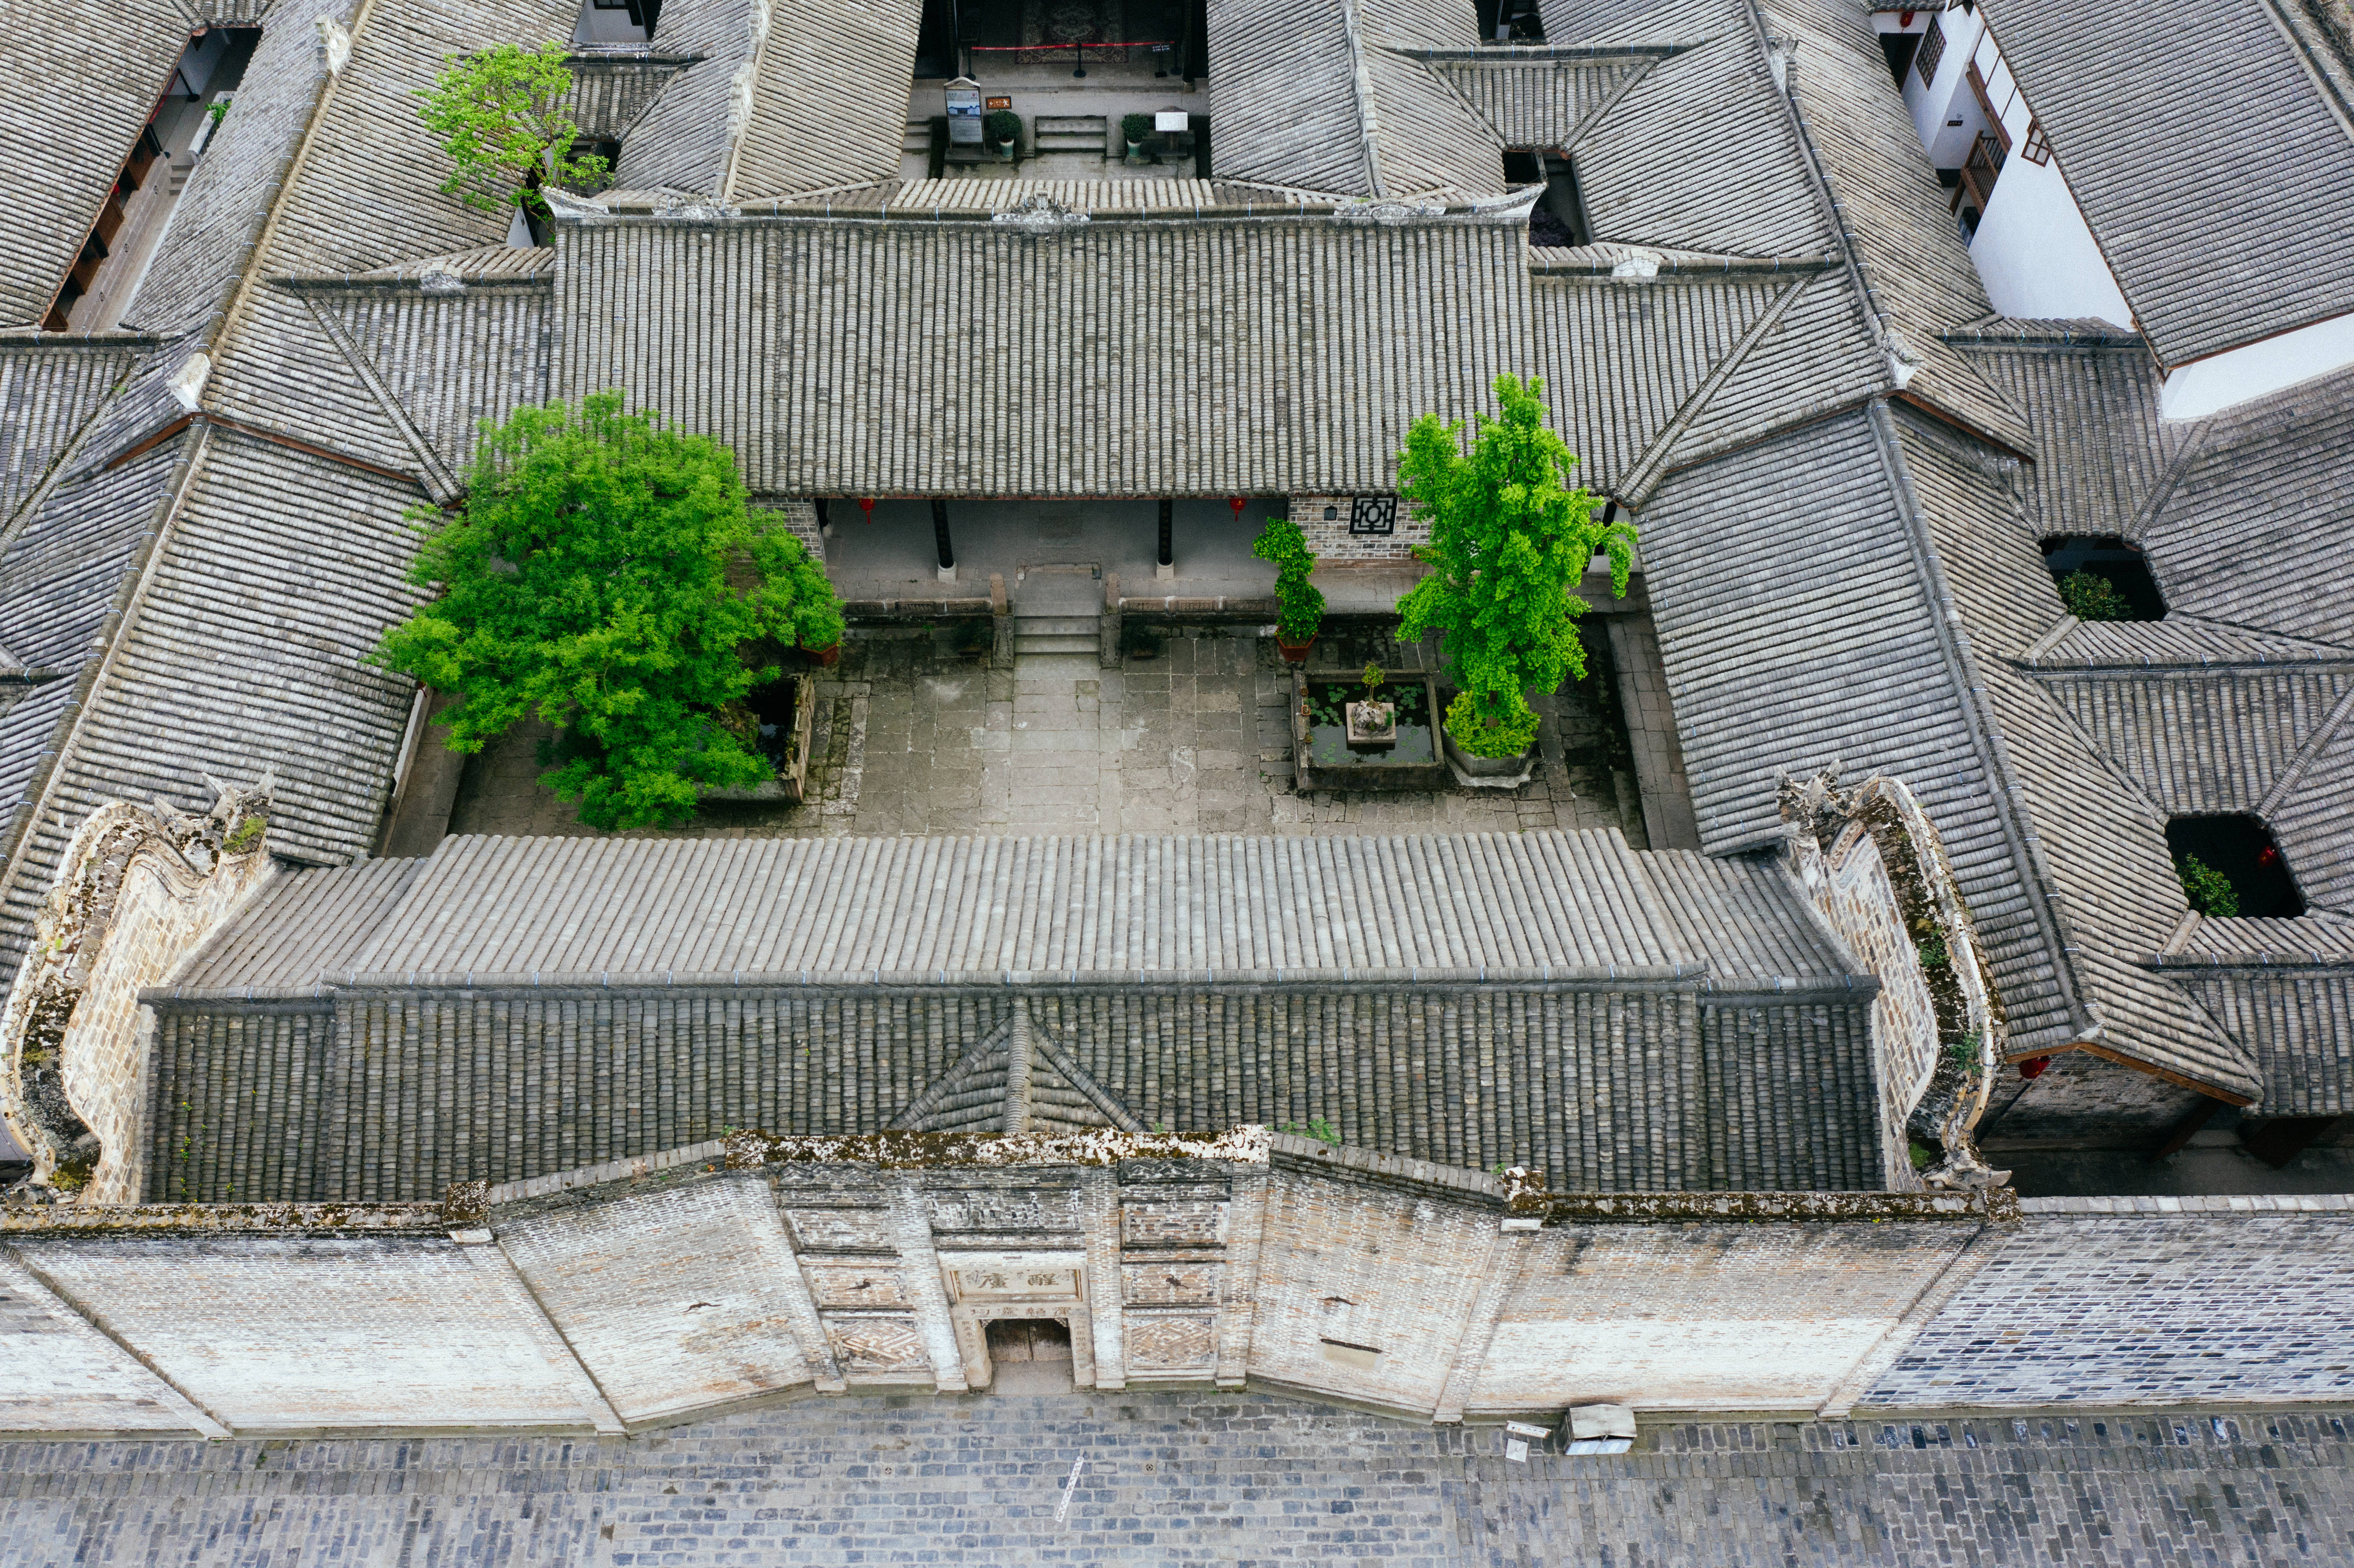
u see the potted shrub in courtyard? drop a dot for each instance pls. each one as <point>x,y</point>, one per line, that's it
<point>1299,611</point>
<point>606,576</point>
<point>1136,130</point>
<point>1509,535</point>
<point>1371,722</point>
<point>1004,128</point>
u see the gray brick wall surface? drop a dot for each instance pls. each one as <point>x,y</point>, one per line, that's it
<point>2148,1309</point>
<point>1200,1478</point>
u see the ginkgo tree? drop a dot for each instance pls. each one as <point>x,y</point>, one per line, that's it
<point>505,117</point>
<point>606,576</point>
<point>1511,535</point>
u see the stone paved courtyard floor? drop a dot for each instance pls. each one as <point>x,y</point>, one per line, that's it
<point>1202,1479</point>
<point>915,737</point>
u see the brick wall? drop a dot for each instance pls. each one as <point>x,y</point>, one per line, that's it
<point>2218,1299</point>
<point>1705,1317</point>
<point>1330,539</point>
<point>1340,1273</point>
<point>676,1300</point>
<point>299,1334</point>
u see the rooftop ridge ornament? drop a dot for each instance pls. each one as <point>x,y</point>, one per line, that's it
<point>1387,213</point>
<point>441,277</point>
<point>1041,214</point>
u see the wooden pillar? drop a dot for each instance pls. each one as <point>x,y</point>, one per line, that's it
<point>941,539</point>
<point>1164,561</point>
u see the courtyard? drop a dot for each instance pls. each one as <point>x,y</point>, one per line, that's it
<point>915,734</point>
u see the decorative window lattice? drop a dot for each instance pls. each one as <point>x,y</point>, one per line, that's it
<point>1933,49</point>
<point>2037,148</point>
<point>1373,514</point>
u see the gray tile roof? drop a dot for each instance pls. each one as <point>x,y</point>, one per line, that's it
<point>1645,1020</point>
<point>1541,96</point>
<point>279,574</point>
<point>1337,98</point>
<point>2091,397</point>
<point>2245,525</point>
<point>2237,243</point>
<point>49,390</point>
<point>611,89</point>
<point>377,1093</point>
<point>84,75</point>
<point>913,911</point>
<point>778,102</point>
<point>2286,989</point>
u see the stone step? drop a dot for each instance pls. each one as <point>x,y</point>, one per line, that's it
<point>182,166</point>
<point>1054,626</point>
<point>919,136</point>
<point>1064,642</point>
<point>1072,134</point>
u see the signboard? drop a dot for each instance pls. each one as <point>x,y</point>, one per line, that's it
<point>997,103</point>
<point>1169,120</point>
<point>964,113</point>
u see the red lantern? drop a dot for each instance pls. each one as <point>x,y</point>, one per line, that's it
<point>866,506</point>
<point>1237,502</point>
<point>2033,1066</point>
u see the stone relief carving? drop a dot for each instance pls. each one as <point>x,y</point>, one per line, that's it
<point>1906,916</point>
<point>140,888</point>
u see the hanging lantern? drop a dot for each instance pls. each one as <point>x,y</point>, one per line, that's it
<point>2033,1066</point>
<point>866,506</point>
<point>1238,503</point>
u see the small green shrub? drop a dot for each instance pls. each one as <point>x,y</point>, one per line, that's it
<point>2091,596</point>
<point>1135,128</point>
<point>2209,890</point>
<point>1319,1128</point>
<point>503,116</point>
<point>1932,951</point>
<point>1301,611</point>
<point>1002,125</point>
<point>246,834</point>
<point>1374,678</point>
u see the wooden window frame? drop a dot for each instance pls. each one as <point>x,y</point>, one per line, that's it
<point>1932,52</point>
<point>2037,148</point>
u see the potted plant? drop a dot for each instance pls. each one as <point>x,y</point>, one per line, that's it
<point>1004,128</point>
<point>1372,722</point>
<point>1136,130</point>
<point>1299,603</point>
<point>1508,537</point>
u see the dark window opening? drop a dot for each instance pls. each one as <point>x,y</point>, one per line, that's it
<point>1511,22</point>
<point>1900,48</point>
<point>643,15</point>
<point>936,40</point>
<point>1558,219</point>
<point>2102,577</point>
<point>1523,167</point>
<point>2233,865</point>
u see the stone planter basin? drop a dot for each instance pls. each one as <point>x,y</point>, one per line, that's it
<point>1326,756</point>
<point>1488,772</point>
<point>788,711</point>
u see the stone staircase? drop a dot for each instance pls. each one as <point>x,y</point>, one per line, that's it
<point>1073,133</point>
<point>919,136</point>
<point>1055,634</point>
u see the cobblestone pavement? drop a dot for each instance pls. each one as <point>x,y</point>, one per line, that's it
<point>914,736</point>
<point>1202,1478</point>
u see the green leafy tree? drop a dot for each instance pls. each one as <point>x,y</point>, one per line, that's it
<point>504,118</point>
<point>2091,596</point>
<point>604,575</point>
<point>2209,890</point>
<point>1509,535</point>
<point>1299,603</point>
